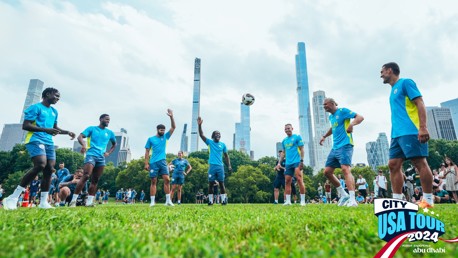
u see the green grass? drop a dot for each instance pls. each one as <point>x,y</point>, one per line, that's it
<point>189,230</point>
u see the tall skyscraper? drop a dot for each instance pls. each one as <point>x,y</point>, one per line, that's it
<point>440,124</point>
<point>453,105</point>
<point>242,140</point>
<point>184,140</point>
<point>305,117</point>
<point>378,152</point>
<point>321,126</point>
<point>122,153</point>
<point>33,95</point>
<point>278,147</point>
<point>13,134</point>
<point>195,107</point>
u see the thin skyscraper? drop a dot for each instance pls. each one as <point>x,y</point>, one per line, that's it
<point>195,107</point>
<point>305,117</point>
<point>33,95</point>
<point>242,140</point>
<point>321,126</point>
<point>184,140</point>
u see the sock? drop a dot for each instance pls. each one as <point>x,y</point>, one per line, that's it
<point>302,197</point>
<point>352,196</point>
<point>341,191</point>
<point>210,198</point>
<point>18,191</point>
<point>179,201</point>
<point>152,198</point>
<point>288,198</point>
<point>276,200</point>
<point>223,197</point>
<point>398,196</point>
<point>167,198</point>
<point>44,197</point>
<point>75,196</point>
<point>428,197</point>
<point>90,199</point>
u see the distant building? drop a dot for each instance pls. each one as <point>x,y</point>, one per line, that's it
<point>278,147</point>
<point>33,95</point>
<point>184,140</point>
<point>195,107</point>
<point>440,124</point>
<point>122,153</point>
<point>453,105</point>
<point>305,116</point>
<point>378,152</point>
<point>242,141</point>
<point>321,125</point>
<point>12,134</point>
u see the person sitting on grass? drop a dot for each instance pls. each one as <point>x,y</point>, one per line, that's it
<point>440,196</point>
<point>68,185</point>
<point>360,198</point>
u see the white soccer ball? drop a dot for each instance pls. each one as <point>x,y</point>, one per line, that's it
<point>247,99</point>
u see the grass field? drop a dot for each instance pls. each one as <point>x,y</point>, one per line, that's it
<point>189,230</point>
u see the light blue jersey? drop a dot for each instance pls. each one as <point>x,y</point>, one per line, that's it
<point>340,121</point>
<point>291,146</point>
<point>180,166</point>
<point>216,150</point>
<point>404,112</point>
<point>41,116</point>
<point>97,140</point>
<point>158,146</point>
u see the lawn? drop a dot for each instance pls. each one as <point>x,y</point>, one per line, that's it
<point>190,230</point>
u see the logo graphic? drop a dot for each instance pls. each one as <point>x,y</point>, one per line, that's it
<point>395,91</point>
<point>399,221</point>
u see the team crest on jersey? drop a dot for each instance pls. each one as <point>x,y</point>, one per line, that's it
<point>337,117</point>
<point>106,134</point>
<point>395,91</point>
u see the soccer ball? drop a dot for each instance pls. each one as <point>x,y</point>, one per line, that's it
<point>247,99</point>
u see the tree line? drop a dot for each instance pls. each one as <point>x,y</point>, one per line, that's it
<point>251,181</point>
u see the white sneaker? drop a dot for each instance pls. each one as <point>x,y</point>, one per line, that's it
<point>302,203</point>
<point>72,204</point>
<point>352,204</point>
<point>344,200</point>
<point>45,205</point>
<point>169,204</point>
<point>10,203</point>
<point>152,204</point>
<point>287,203</point>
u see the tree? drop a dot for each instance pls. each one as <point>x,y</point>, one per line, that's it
<point>72,159</point>
<point>108,179</point>
<point>13,181</point>
<point>245,185</point>
<point>203,155</point>
<point>239,158</point>
<point>136,177</point>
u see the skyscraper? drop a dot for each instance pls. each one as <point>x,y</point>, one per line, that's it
<point>33,95</point>
<point>13,134</point>
<point>184,140</point>
<point>195,107</point>
<point>453,105</point>
<point>378,152</point>
<point>440,124</point>
<point>122,153</point>
<point>321,125</point>
<point>242,130</point>
<point>305,117</point>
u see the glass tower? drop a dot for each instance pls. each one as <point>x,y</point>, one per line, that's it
<point>305,117</point>
<point>195,107</point>
<point>321,125</point>
<point>33,95</point>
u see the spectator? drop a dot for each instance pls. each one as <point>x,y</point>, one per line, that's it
<point>361,183</point>
<point>451,182</point>
<point>320,190</point>
<point>360,198</point>
<point>1,195</point>
<point>409,184</point>
<point>440,196</point>
<point>142,196</point>
<point>327,189</point>
<point>442,171</point>
<point>200,196</point>
<point>381,183</point>
<point>417,195</point>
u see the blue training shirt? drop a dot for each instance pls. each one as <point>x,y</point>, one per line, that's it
<point>44,117</point>
<point>291,146</point>
<point>97,140</point>
<point>340,121</point>
<point>404,112</point>
<point>180,166</point>
<point>216,150</point>
<point>158,146</point>
<point>62,173</point>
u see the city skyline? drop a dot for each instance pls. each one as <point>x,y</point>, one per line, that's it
<point>134,60</point>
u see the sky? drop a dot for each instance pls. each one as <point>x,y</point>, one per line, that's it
<point>134,60</point>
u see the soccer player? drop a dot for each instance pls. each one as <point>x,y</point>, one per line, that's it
<point>409,135</point>
<point>216,169</point>
<point>34,188</point>
<point>68,186</point>
<point>279,177</point>
<point>142,196</point>
<point>342,150</point>
<point>157,165</point>
<point>40,120</point>
<point>94,163</point>
<point>293,147</point>
<point>180,164</point>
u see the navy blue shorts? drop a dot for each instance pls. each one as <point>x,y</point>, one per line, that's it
<point>340,156</point>
<point>177,180</point>
<point>40,149</point>
<point>279,181</point>
<point>407,146</point>
<point>215,173</point>
<point>291,169</point>
<point>95,161</point>
<point>158,168</point>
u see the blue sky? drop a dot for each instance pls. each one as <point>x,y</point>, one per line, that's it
<point>134,59</point>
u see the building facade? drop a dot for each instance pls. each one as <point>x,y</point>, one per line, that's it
<point>33,95</point>
<point>305,117</point>
<point>453,106</point>
<point>440,123</point>
<point>378,152</point>
<point>195,107</point>
<point>184,140</point>
<point>122,153</point>
<point>321,126</point>
<point>242,139</point>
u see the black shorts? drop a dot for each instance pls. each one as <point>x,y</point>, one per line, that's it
<point>279,181</point>
<point>363,192</point>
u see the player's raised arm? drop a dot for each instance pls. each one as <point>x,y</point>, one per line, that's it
<point>201,133</point>
<point>172,121</point>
